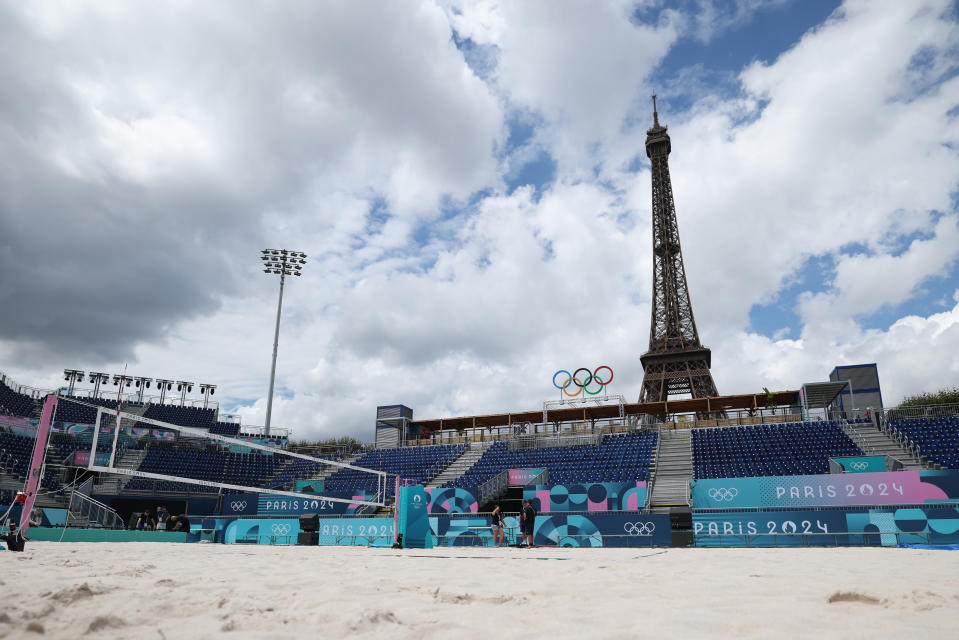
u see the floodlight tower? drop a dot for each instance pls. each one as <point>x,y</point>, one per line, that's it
<point>284,263</point>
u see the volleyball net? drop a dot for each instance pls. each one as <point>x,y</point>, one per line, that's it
<point>211,460</point>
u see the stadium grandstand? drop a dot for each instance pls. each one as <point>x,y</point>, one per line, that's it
<point>570,450</point>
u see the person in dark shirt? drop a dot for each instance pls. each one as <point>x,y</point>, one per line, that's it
<point>146,522</point>
<point>529,519</point>
<point>496,525</point>
<point>14,539</point>
<point>178,523</point>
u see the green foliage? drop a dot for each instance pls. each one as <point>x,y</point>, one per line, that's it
<point>346,442</point>
<point>943,396</point>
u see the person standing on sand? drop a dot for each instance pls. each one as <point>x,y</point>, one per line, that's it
<point>496,525</point>
<point>529,519</point>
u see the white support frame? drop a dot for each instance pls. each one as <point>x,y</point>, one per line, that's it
<point>92,466</point>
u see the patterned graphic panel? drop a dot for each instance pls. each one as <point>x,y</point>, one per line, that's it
<point>452,500</point>
<point>596,496</point>
<point>564,530</point>
<point>861,489</point>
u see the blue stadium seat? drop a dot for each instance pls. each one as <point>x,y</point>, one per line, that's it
<point>936,438</point>
<point>769,449</point>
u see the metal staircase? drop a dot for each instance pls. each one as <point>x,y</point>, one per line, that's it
<point>458,466</point>
<point>671,470</point>
<point>875,442</point>
<point>113,484</point>
<point>330,469</point>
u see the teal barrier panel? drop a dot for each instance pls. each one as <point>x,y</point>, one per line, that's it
<point>262,531</point>
<point>365,532</point>
<point>862,464</point>
<point>45,534</point>
<point>414,517</point>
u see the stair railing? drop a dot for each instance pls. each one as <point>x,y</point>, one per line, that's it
<point>94,511</point>
<point>652,478</point>
<point>493,487</point>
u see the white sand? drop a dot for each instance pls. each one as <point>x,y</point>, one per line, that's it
<point>189,591</point>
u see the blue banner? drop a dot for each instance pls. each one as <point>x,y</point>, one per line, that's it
<point>886,527</point>
<point>372,532</point>
<point>249,504</point>
<point>262,531</point>
<point>844,490</point>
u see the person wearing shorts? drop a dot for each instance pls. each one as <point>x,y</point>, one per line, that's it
<point>496,526</point>
<point>529,519</point>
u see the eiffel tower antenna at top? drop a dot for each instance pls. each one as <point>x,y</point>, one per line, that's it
<point>655,113</point>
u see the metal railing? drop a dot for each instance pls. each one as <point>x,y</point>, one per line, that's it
<point>856,437</point>
<point>547,441</point>
<point>84,506</point>
<point>931,411</point>
<point>493,487</point>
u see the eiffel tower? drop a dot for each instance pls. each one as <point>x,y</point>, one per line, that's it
<point>676,363</point>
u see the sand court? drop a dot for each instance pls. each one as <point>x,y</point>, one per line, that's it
<point>157,590</point>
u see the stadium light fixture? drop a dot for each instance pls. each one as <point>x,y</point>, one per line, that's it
<point>281,262</point>
<point>141,384</point>
<point>184,387</point>
<point>98,378</point>
<point>72,376</point>
<point>207,390</point>
<point>163,386</point>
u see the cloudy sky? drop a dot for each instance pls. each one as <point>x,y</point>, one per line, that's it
<point>470,183</point>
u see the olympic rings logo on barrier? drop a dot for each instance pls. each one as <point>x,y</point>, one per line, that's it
<point>281,528</point>
<point>639,528</point>
<point>723,494</point>
<point>238,505</point>
<point>582,383</point>
<point>859,466</point>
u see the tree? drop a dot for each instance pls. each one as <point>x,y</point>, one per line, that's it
<point>943,396</point>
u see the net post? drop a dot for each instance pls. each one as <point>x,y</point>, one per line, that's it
<point>96,436</point>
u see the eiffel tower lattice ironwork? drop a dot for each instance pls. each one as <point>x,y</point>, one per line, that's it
<point>676,363</point>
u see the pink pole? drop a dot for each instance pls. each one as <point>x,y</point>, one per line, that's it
<point>396,508</point>
<point>36,462</point>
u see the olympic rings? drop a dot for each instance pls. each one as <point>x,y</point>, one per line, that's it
<point>581,383</point>
<point>722,494</point>
<point>639,528</point>
<point>859,466</point>
<point>238,505</point>
<point>281,528</point>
